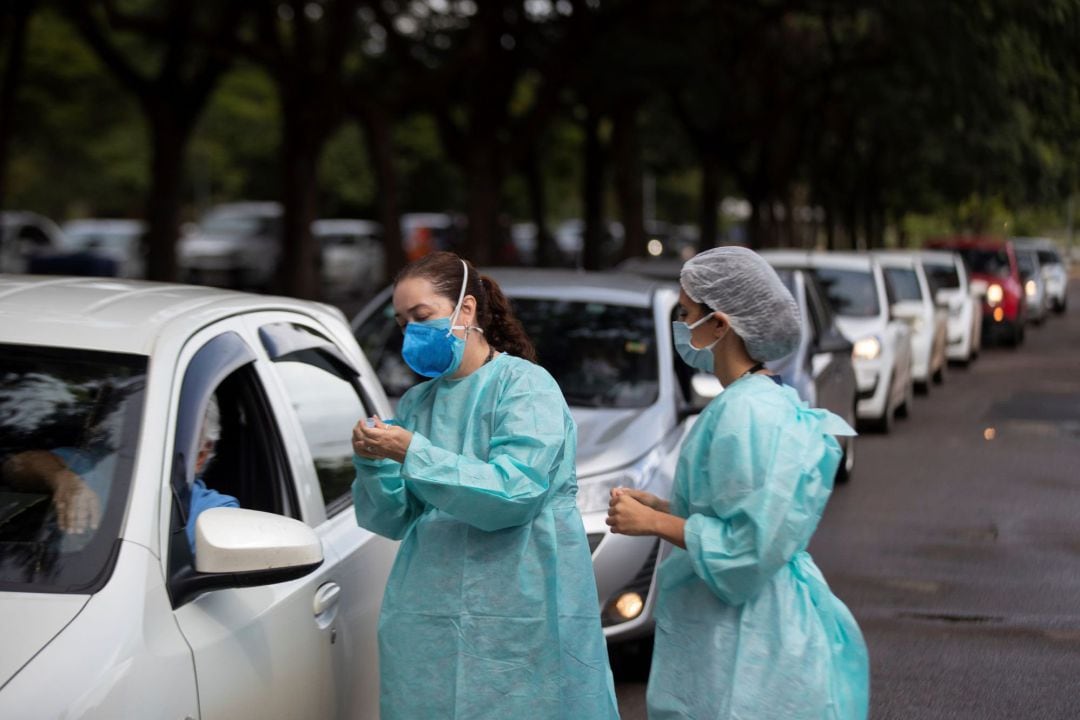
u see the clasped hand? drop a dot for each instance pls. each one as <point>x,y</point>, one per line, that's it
<point>381,441</point>
<point>634,512</point>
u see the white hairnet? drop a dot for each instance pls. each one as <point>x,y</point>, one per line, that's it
<point>741,284</point>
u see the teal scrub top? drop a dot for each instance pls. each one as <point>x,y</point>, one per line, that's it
<point>746,626</point>
<point>491,607</point>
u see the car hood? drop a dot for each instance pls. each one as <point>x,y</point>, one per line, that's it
<point>29,622</point>
<point>612,438</point>
<point>855,328</point>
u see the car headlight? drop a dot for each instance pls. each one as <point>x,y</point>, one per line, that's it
<point>594,494</point>
<point>1029,288</point>
<point>867,348</point>
<point>994,294</point>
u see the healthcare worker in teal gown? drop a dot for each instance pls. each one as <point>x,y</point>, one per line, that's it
<point>746,626</point>
<point>490,610</point>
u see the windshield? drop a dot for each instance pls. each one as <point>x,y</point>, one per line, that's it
<point>905,283</point>
<point>89,238</point>
<point>69,423</point>
<point>851,293</point>
<point>942,277</point>
<point>601,355</point>
<point>1025,261</point>
<point>1049,257</point>
<point>987,262</point>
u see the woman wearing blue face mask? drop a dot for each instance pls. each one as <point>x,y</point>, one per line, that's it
<point>491,608</point>
<point>746,626</point>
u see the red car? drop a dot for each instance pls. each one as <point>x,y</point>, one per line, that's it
<point>995,274</point>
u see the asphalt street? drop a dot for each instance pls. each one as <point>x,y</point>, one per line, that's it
<point>957,542</point>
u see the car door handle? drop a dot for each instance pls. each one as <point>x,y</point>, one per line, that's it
<point>326,598</point>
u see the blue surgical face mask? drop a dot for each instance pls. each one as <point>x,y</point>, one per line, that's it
<point>698,358</point>
<point>431,348</point>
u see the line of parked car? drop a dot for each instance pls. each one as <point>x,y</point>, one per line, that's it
<point>122,372</point>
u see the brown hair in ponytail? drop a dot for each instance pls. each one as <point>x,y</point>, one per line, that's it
<point>493,311</point>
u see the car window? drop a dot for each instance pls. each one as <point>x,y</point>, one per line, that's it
<point>1049,257</point>
<point>69,428</point>
<point>849,292</point>
<point>905,283</point>
<point>602,355</point>
<point>328,403</point>
<point>987,261</point>
<point>942,276</point>
<point>248,463</point>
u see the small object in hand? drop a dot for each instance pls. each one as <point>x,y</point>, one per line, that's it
<point>370,422</point>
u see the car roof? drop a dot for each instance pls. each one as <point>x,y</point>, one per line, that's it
<point>819,258</point>
<point>331,225</point>
<point>123,224</point>
<point>612,287</point>
<point>897,258</point>
<point>938,257</point>
<point>125,316</point>
<point>262,208</point>
<point>989,243</point>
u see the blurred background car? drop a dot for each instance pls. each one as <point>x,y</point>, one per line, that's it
<point>353,258</point>
<point>24,236</point>
<point>234,245</point>
<point>995,275</point>
<point>426,232</point>
<point>606,338</point>
<point>952,289</point>
<point>914,302</point>
<point>1054,269</point>
<point>1034,282</point>
<point>120,240</point>
<point>860,297</point>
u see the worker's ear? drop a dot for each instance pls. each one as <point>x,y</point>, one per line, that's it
<point>721,326</point>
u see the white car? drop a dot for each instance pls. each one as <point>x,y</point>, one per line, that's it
<point>1034,281</point>
<point>1055,273</point>
<point>236,245</point>
<point>353,259</point>
<point>120,240</point>
<point>274,612</point>
<point>855,287</point>
<point>952,289</point>
<point>913,300</point>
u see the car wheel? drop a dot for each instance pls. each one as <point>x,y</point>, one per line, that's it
<point>1059,307</point>
<point>939,374</point>
<point>922,388</point>
<point>847,463</point>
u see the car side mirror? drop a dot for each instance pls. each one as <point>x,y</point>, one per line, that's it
<point>703,388</point>
<point>833,342</point>
<point>236,547</point>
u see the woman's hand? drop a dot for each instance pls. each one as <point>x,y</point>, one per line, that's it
<point>630,514</point>
<point>381,441</point>
<point>645,498</point>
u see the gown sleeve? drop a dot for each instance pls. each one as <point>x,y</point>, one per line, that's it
<point>528,441</point>
<point>381,501</point>
<point>769,471</point>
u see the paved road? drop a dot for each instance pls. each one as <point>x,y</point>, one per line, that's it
<point>957,543</point>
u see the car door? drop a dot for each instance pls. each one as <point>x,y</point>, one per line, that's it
<point>258,651</point>
<point>327,395</point>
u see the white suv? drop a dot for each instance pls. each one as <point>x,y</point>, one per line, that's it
<point>913,301</point>
<point>952,289</point>
<point>107,607</point>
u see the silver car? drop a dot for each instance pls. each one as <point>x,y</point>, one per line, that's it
<point>236,245</point>
<point>606,338</point>
<point>1054,269</point>
<point>1034,282</point>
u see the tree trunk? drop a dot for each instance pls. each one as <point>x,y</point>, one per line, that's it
<point>169,140</point>
<point>710,202</point>
<point>301,259</point>
<point>484,240</point>
<point>626,153</point>
<point>594,232</point>
<point>379,135</point>
<point>18,17</point>
<point>546,251</point>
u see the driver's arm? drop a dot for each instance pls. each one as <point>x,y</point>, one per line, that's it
<point>78,508</point>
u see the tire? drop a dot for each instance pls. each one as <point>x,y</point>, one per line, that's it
<point>847,463</point>
<point>922,388</point>
<point>939,374</point>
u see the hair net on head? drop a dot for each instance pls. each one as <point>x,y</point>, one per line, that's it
<point>741,284</point>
